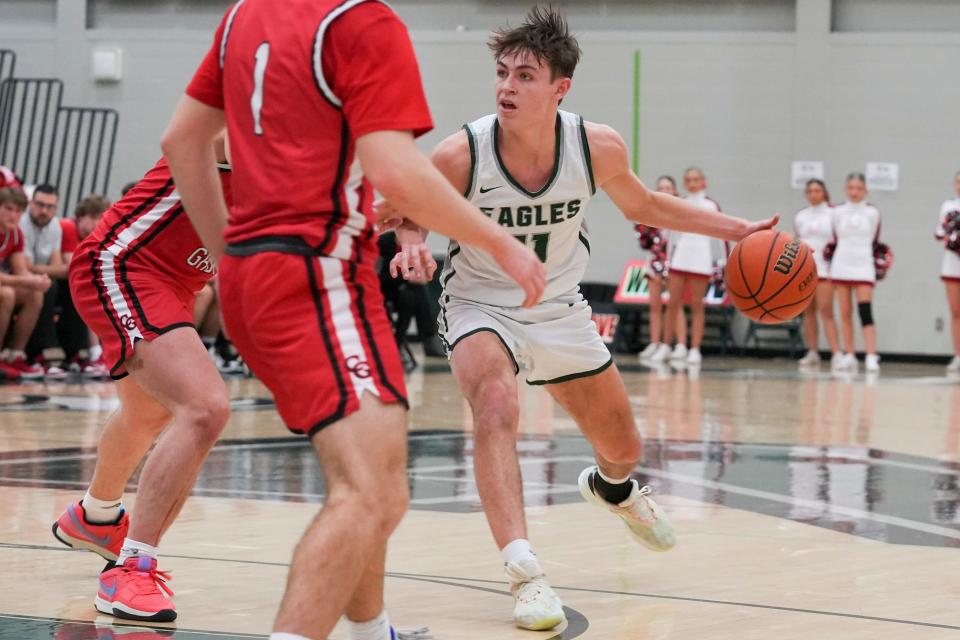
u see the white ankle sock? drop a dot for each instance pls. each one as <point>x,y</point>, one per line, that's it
<point>95,352</point>
<point>376,629</point>
<point>132,548</point>
<point>101,511</point>
<point>286,636</point>
<point>612,480</point>
<point>518,550</point>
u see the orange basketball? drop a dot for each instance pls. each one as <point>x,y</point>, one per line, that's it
<point>770,276</point>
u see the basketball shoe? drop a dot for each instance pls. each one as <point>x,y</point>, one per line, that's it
<point>96,369</point>
<point>649,351</point>
<point>662,354</point>
<point>954,366</point>
<point>105,539</point>
<point>836,362</point>
<point>27,370</point>
<point>422,633</point>
<point>136,590</point>
<point>536,606</point>
<point>811,359</point>
<point>644,517</point>
<point>849,362</point>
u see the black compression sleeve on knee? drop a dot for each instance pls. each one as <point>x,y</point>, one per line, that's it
<point>866,313</point>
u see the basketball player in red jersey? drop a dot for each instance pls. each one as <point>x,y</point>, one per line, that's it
<point>306,87</point>
<point>133,281</point>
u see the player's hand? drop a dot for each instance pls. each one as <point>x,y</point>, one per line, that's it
<point>41,282</point>
<point>523,266</point>
<point>753,227</point>
<point>390,224</point>
<point>387,216</point>
<point>413,263</point>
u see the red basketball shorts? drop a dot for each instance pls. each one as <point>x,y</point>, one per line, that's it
<point>123,306</point>
<point>314,330</point>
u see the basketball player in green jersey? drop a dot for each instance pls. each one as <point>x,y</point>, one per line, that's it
<point>533,168</point>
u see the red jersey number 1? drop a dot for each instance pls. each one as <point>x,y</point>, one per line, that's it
<point>262,56</point>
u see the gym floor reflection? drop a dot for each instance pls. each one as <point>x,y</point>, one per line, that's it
<point>874,459</point>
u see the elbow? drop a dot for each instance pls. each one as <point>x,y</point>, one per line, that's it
<point>169,143</point>
<point>392,179</point>
<point>388,179</point>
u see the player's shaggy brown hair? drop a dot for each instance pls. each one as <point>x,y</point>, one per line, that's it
<point>546,36</point>
<point>14,195</point>
<point>93,205</point>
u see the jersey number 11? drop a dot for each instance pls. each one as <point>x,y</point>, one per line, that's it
<point>540,241</point>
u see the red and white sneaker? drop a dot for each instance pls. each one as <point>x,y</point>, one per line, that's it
<point>27,371</point>
<point>8,372</point>
<point>73,530</point>
<point>136,590</point>
<point>96,369</point>
<point>51,371</point>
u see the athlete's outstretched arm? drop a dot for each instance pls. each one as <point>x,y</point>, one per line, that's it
<point>612,173</point>
<point>414,186</point>
<point>188,146</point>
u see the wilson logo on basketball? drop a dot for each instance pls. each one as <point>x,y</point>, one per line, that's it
<point>756,291</point>
<point>358,367</point>
<point>789,255</point>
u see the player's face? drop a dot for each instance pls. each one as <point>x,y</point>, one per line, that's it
<point>956,184</point>
<point>815,194</point>
<point>694,181</point>
<point>856,190</point>
<point>9,216</point>
<point>43,208</point>
<point>525,90</point>
<point>665,186</point>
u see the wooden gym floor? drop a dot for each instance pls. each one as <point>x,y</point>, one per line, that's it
<point>805,505</point>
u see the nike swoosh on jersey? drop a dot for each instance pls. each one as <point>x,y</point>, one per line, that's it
<point>486,189</point>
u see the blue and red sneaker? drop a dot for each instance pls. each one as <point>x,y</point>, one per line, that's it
<point>136,590</point>
<point>73,530</point>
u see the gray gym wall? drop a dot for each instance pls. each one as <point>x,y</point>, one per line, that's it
<point>738,87</point>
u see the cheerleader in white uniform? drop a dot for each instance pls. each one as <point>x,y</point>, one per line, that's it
<point>659,351</point>
<point>948,232</point>
<point>814,227</point>
<point>691,264</point>
<point>857,226</point>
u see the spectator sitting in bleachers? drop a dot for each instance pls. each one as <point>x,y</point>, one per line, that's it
<point>21,292</point>
<point>42,239</point>
<point>72,333</point>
